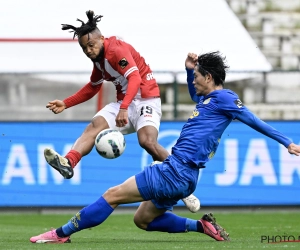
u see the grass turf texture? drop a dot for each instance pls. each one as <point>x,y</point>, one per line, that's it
<point>119,232</point>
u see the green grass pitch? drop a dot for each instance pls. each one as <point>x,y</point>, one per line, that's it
<point>119,232</point>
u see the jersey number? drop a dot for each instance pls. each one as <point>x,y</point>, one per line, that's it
<point>147,110</point>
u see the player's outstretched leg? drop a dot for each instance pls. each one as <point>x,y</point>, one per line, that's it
<point>50,237</point>
<point>192,203</point>
<point>213,229</point>
<point>59,163</point>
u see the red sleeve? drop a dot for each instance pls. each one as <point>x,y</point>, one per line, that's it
<point>124,63</point>
<point>82,95</point>
<point>134,80</point>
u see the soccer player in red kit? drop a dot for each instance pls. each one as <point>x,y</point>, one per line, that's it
<point>138,105</point>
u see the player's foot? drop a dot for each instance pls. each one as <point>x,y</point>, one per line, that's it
<point>213,229</point>
<point>192,203</point>
<point>61,164</point>
<point>49,237</point>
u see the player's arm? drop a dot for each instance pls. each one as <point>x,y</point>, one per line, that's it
<point>192,90</point>
<point>254,122</point>
<point>82,95</point>
<point>87,91</point>
<point>190,64</point>
<point>126,66</point>
<point>247,117</point>
<point>134,81</point>
<point>124,63</point>
<point>230,104</point>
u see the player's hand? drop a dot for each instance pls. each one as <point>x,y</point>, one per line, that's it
<point>56,106</point>
<point>294,149</point>
<point>191,60</point>
<point>122,118</point>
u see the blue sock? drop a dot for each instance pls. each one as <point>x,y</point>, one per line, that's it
<point>90,216</point>
<point>168,222</point>
<point>191,225</point>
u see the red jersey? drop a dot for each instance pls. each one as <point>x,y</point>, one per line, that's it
<point>120,61</point>
<point>125,68</point>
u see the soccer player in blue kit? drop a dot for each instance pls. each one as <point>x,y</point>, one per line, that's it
<point>160,186</point>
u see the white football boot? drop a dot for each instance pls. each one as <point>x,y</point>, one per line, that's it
<point>192,203</point>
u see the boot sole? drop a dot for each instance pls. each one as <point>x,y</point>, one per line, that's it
<point>53,161</point>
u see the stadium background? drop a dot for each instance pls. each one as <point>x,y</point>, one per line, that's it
<point>247,170</point>
<point>39,63</point>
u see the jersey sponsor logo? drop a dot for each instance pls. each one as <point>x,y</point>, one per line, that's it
<point>206,101</point>
<point>195,113</point>
<point>116,82</point>
<point>238,103</point>
<point>149,76</point>
<point>123,63</point>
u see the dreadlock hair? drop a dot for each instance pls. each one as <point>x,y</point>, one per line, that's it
<point>215,64</point>
<point>85,28</point>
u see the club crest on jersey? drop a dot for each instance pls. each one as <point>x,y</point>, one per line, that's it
<point>238,103</point>
<point>206,101</point>
<point>123,63</point>
<point>195,113</point>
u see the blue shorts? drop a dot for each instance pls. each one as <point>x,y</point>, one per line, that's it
<point>167,182</point>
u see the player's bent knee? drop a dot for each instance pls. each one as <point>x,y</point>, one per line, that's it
<point>111,195</point>
<point>90,130</point>
<point>139,223</point>
<point>95,126</point>
<point>148,144</point>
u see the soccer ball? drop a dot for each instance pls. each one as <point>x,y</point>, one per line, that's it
<point>110,143</point>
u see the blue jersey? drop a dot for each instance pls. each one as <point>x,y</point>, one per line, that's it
<point>200,136</point>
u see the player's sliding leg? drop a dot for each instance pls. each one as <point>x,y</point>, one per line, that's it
<point>171,223</point>
<point>88,217</point>
<point>148,217</point>
<point>95,213</point>
<point>99,211</point>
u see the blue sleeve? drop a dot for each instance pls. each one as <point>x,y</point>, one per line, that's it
<point>230,104</point>
<point>247,117</point>
<point>190,79</point>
